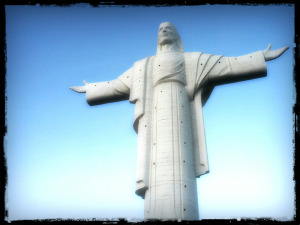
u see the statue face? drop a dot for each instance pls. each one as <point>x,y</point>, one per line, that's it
<point>166,34</point>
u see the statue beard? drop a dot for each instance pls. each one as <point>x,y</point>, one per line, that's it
<point>167,40</point>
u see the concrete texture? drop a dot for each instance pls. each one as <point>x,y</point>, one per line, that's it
<point>169,91</point>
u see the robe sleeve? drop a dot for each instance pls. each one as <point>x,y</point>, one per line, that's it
<point>235,69</point>
<point>110,91</point>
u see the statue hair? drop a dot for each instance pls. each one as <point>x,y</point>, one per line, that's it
<point>177,38</point>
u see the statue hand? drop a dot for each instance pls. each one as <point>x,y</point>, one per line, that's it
<point>80,89</point>
<point>270,55</point>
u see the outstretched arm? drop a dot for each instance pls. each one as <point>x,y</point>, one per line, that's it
<point>235,69</point>
<point>105,92</point>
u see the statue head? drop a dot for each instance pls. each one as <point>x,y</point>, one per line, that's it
<point>167,34</point>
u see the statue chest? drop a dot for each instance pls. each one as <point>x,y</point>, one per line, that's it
<point>167,67</point>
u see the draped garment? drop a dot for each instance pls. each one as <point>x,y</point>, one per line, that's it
<point>202,72</point>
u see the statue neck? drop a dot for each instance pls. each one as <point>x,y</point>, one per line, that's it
<point>169,47</point>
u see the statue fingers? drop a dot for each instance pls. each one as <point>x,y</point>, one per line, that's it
<point>284,49</point>
<point>270,55</point>
<point>266,53</point>
<point>267,49</point>
<point>278,52</point>
<point>79,89</point>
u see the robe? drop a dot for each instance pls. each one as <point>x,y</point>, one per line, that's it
<point>201,73</point>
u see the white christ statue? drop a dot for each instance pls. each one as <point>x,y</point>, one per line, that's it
<point>169,91</point>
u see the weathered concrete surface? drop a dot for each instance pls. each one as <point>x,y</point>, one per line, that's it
<point>169,91</point>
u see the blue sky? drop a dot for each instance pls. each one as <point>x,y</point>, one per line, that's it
<point>66,159</point>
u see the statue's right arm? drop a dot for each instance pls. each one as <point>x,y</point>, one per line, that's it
<point>105,92</point>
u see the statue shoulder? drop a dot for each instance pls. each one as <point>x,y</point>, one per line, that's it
<point>142,61</point>
<point>140,65</point>
<point>192,55</point>
<point>195,56</point>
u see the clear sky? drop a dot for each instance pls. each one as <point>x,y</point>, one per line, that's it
<point>66,159</point>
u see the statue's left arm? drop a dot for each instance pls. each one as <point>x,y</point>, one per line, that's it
<point>105,92</point>
<point>251,66</point>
